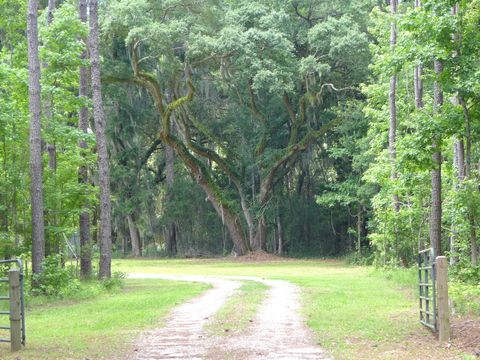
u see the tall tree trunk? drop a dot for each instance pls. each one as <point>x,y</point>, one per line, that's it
<point>459,165</point>
<point>103,167</point>
<point>436,202</point>
<point>392,134</point>
<point>84,218</point>
<point>473,240</point>
<point>172,239</point>
<point>458,159</point>
<point>280,235</point>
<point>359,228</point>
<point>50,9</point>
<point>459,151</point>
<point>468,172</point>
<point>231,221</point>
<point>172,229</point>
<point>465,163</point>
<point>260,242</point>
<point>51,241</point>
<point>36,186</point>
<point>134,236</point>
<point>418,90</point>
<point>4,200</point>
<point>202,178</point>
<point>184,150</point>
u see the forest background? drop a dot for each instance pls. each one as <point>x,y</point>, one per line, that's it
<point>305,128</point>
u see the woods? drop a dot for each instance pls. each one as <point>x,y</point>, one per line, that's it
<point>287,160</point>
<point>183,128</point>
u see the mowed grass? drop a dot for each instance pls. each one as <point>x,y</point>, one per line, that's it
<point>356,312</point>
<point>238,311</point>
<point>103,327</point>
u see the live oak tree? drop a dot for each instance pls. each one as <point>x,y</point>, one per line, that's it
<point>235,62</point>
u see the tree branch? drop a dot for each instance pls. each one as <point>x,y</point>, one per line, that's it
<point>291,151</point>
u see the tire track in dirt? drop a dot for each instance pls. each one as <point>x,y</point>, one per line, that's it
<point>277,331</point>
<point>183,337</point>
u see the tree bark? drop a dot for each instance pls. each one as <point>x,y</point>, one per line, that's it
<point>170,170</point>
<point>280,235</point>
<point>459,165</point>
<point>468,171</point>
<point>418,87</point>
<point>197,169</point>
<point>202,178</point>
<point>84,217</point>
<point>51,242</point>
<point>359,229</point>
<point>212,156</point>
<point>418,90</point>
<point>172,239</point>
<point>436,174</point>
<point>187,151</point>
<point>260,242</point>
<point>473,240</point>
<point>103,166</point>
<point>458,159</point>
<point>392,133</point>
<point>267,182</point>
<point>459,149</point>
<point>36,185</point>
<point>134,236</point>
<point>50,8</point>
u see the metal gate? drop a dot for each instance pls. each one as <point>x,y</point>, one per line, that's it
<point>4,266</point>
<point>427,293</point>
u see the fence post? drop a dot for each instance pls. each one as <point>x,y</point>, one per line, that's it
<point>15,312</point>
<point>443,310</point>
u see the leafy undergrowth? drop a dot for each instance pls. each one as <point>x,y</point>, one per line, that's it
<point>101,327</point>
<point>356,312</point>
<point>466,298</point>
<point>239,310</point>
<point>82,290</point>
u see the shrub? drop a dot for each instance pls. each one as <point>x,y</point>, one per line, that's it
<point>55,280</point>
<point>465,297</point>
<point>115,282</point>
<point>365,258</point>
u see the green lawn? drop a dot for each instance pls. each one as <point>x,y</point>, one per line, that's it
<point>101,327</point>
<point>356,312</point>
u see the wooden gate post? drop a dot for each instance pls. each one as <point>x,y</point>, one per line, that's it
<point>15,310</point>
<point>443,310</point>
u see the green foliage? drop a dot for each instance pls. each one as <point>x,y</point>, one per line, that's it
<point>465,273</point>
<point>364,258</point>
<point>238,51</point>
<point>267,76</point>
<point>58,281</point>
<point>55,280</point>
<point>61,44</point>
<point>465,297</point>
<point>423,34</point>
<point>117,281</point>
